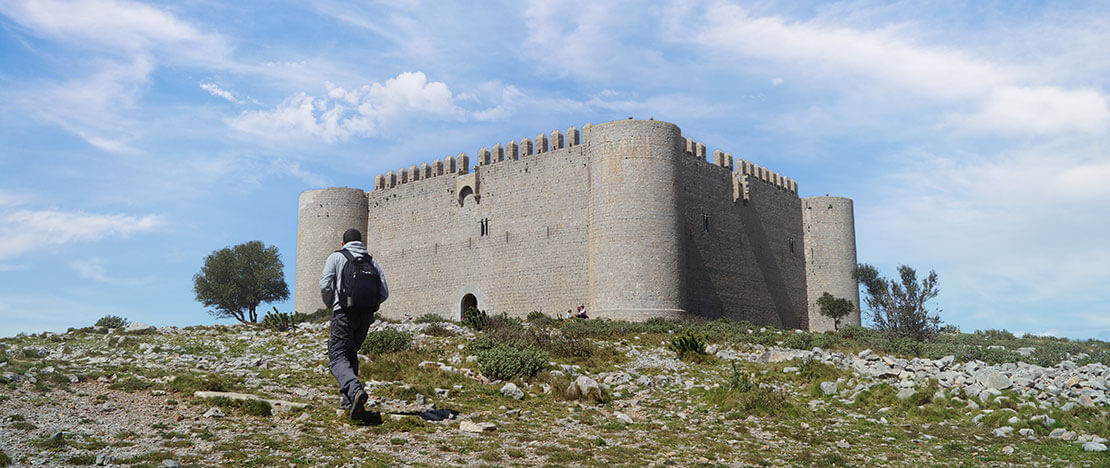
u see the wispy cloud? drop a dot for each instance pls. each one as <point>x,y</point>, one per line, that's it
<point>219,92</point>
<point>23,231</point>
<point>93,268</point>
<point>122,42</point>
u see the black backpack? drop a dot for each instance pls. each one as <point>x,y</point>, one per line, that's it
<point>360,290</point>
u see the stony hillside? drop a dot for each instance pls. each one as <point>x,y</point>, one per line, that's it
<point>605,393</point>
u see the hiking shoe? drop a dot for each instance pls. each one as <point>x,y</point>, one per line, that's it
<point>358,405</point>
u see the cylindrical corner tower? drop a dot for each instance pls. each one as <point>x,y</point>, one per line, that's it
<point>635,259</point>
<point>322,218</point>
<point>830,251</point>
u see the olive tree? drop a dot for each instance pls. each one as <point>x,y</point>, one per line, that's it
<point>834,307</point>
<point>898,308</point>
<point>235,280</point>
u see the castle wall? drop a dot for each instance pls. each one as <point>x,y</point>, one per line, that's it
<point>830,256</point>
<point>532,257</point>
<point>322,217</point>
<point>744,258</point>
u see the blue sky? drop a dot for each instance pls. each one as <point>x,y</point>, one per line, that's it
<point>136,138</point>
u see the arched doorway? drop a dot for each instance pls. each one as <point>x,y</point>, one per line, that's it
<point>468,301</point>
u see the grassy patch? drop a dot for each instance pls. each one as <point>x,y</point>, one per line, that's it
<point>251,407</point>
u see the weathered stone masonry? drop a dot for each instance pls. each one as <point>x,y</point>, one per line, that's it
<point>628,217</point>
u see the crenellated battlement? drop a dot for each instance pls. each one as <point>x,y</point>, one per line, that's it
<point>742,168</point>
<point>460,165</point>
<point>557,140</point>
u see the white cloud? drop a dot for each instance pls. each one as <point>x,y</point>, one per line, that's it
<point>93,268</point>
<point>776,81</point>
<point>294,169</point>
<point>511,98</point>
<point>115,47</point>
<point>982,93</point>
<point>361,112</point>
<point>23,231</point>
<point>219,92</point>
<point>1044,109</point>
<point>117,26</point>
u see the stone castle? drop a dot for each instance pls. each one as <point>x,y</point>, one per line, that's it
<point>629,218</point>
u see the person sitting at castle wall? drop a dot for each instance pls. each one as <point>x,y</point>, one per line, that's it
<point>353,286</point>
<point>582,312</point>
<point>570,314</point>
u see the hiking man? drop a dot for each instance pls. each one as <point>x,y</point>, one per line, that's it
<point>353,286</point>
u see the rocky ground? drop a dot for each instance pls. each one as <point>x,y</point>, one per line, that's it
<point>129,398</point>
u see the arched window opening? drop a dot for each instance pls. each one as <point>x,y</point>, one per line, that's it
<point>464,193</point>
<point>468,301</point>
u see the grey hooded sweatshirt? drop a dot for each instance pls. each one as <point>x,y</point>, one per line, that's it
<point>333,274</point>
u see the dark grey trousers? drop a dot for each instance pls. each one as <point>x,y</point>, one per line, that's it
<point>348,331</point>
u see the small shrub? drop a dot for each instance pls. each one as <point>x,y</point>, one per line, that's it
<point>535,315</point>
<point>853,332</point>
<point>190,383</point>
<point>279,321</point>
<point>111,321</point>
<point>569,347</point>
<point>474,318</point>
<point>250,407</point>
<point>904,345</point>
<point>437,329</point>
<point>686,343</point>
<point>321,315</point>
<point>82,460</point>
<point>739,381</point>
<point>5,460</point>
<point>996,335</point>
<point>430,318</point>
<point>131,384</point>
<point>797,341</point>
<point>503,362</point>
<point>812,370</point>
<point>1102,357</point>
<point>386,340</point>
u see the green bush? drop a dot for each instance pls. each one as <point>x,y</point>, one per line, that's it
<point>739,381</point>
<point>5,460</point>
<point>111,321</point>
<point>797,341</point>
<point>437,329</point>
<point>278,321</point>
<point>430,318</point>
<point>188,383</point>
<point>536,315</point>
<point>568,346</point>
<point>321,315</point>
<point>251,407</point>
<point>504,362</point>
<point>386,340</point>
<point>687,343</point>
<point>474,318</point>
<point>1099,357</point>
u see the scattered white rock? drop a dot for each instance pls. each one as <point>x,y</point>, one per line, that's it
<point>1003,431</point>
<point>511,390</point>
<point>828,388</point>
<point>622,418</point>
<point>214,412</point>
<point>1094,447</point>
<point>473,427</point>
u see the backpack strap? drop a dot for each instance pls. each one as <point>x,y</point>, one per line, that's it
<point>347,253</point>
